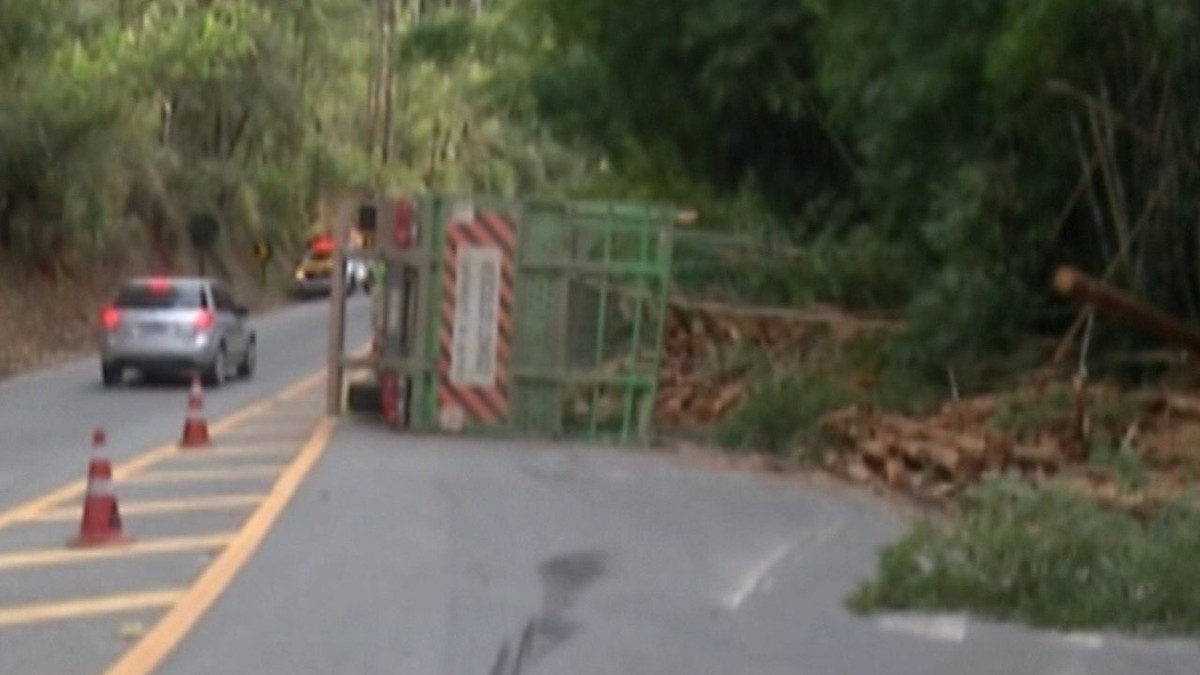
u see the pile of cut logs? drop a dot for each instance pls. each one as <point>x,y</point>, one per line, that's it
<point>709,349</point>
<point>935,456</point>
<point>704,373</point>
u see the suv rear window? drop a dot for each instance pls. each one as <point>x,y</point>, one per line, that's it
<point>143,296</point>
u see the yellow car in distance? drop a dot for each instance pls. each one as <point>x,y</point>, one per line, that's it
<point>314,273</point>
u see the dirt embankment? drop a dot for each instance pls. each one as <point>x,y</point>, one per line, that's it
<point>44,322</point>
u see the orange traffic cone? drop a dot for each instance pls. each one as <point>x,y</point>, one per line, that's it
<point>195,427</point>
<point>101,522</point>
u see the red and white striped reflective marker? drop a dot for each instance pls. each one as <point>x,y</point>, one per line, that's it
<point>101,521</point>
<point>195,426</point>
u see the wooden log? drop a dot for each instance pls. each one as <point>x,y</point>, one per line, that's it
<point>973,447</point>
<point>998,448</point>
<point>858,471</point>
<point>895,474</point>
<point>874,449</point>
<point>1044,452</point>
<point>940,491</point>
<point>943,457</point>
<point>1075,285</point>
<point>727,398</point>
<point>1183,406</point>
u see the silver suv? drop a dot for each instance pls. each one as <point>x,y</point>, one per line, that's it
<point>175,325</point>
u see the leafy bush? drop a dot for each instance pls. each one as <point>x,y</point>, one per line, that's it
<point>894,383</point>
<point>1048,558</point>
<point>782,416</point>
<point>860,270</point>
<point>1125,463</point>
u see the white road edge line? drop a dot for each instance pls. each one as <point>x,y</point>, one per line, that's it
<point>940,627</point>
<point>756,576</point>
<point>753,577</point>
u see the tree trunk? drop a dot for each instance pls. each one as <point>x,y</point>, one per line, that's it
<point>389,81</point>
<point>8,209</point>
<point>374,83</point>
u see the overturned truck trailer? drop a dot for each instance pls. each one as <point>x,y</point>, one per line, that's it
<point>540,318</point>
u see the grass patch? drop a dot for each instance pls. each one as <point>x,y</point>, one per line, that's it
<point>1126,465</point>
<point>782,416</point>
<point>1047,558</point>
<point>782,413</point>
<point>893,384</point>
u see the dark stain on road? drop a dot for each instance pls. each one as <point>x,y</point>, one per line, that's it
<point>563,578</point>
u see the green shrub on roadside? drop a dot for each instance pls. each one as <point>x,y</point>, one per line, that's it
<point>1125,464</point>
<point>782,416</point>
<point>897,385</point>
<point>1048,558</point>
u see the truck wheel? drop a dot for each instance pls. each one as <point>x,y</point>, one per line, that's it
<point>363,397</point>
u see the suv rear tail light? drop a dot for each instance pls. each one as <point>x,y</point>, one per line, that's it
<point>204,319</point>
<point>111,318</point>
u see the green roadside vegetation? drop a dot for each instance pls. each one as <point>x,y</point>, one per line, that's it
<point>932,161</point>
<point>120,118</point>
<point>1050,558</point>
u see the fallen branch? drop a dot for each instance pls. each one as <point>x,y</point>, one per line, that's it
<point>1075,285</point>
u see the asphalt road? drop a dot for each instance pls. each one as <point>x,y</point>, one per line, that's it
<point>46,418</point>
<point>429,556</point>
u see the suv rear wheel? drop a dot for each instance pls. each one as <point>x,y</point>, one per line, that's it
<point>246,367</point>
<point>214,375</point>
<point>110,375</point>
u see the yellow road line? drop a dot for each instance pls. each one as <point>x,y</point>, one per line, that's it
<point>26,510</point>
<point>151,507</point>
<point>72,609</point>
<point>67,556</point>
<point>255,409</point>
<point>260,449</point>
<point>272,426</point>
<point>303,386</point>
<point>30,508</point>
<point>155,645</point>
<point>162,476</point>
<point>244,438</point>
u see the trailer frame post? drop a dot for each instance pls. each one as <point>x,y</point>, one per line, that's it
<point>337,319</point>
